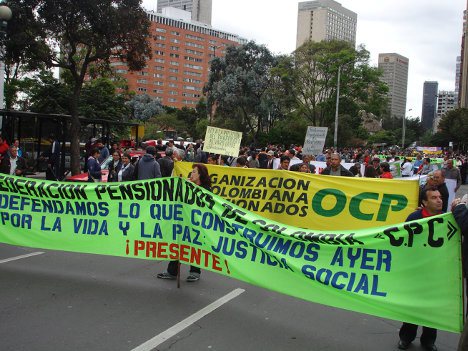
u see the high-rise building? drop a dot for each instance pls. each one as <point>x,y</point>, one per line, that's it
<point>395,74</point>
<point>446,101</point>
<point>325,20</point>
<point>463,90</point>
<point>200,9</point>
<point>182,54</point>
<point>457,74</point>
<point>429,105</point>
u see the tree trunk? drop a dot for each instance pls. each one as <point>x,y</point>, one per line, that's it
<point>75,131</point>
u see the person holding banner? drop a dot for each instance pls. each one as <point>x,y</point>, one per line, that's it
<point>460,212</point>
<point>335,168</point>
<point>432,206</point>
<point>126,171</point>
<point>284,163</point>
<point>200,177</point>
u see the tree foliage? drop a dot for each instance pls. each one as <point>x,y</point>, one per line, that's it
<point>453,127</point>
<point>143,107</point>
<point>99,100</point>
<point>312,81</point>
<point>72,35</point>
<point>239,86</point>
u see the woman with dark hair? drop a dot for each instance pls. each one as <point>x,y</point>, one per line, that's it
<point>385,167</point>
<point>114,166</point>
<point>125,173</point>
<point>200,177</point>
<point>94,168</point>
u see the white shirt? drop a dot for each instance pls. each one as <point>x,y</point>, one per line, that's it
<point>406,169</point>
<point>122,169</point>
<point>13,165</point>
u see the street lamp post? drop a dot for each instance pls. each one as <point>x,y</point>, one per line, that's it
<point>335,137</point>
<point>5,16</point>
<point>404,131</point>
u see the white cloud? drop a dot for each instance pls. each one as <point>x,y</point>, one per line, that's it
<point>428,32</point>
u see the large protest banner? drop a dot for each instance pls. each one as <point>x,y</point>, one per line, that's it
<point>409,272</point>
<point>313,201</point>
<point>222,141</point>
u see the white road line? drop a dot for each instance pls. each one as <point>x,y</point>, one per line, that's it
<point>169,333</point>
<point>20,257</point>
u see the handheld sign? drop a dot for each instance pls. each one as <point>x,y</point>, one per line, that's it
<point>314,140</point>
<point>222,141</point>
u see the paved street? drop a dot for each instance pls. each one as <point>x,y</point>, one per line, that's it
<point>52,300</point>
<point>66,301</point>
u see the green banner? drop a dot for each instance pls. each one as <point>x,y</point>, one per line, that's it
<point>409,272</point>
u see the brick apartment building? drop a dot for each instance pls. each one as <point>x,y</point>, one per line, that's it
<point>182,52</point>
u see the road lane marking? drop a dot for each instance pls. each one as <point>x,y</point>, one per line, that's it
<point>177,328</point>
<point>20,257</point>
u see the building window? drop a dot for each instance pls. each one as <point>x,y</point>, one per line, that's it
<point>190,73</point>
<point>195,59</point>
<point>173,70</point>
<point>191,80</point>
<point>142,90</point>
<point>142,81</point>
<point>189,65</point>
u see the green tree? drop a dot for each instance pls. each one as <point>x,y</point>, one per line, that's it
<point>45,94</point>
<point>72,35</point>
<point>453,127</point>
<point>143,107</point>
<point>413,130</point>
<point>238,87</point>
<point>383,136</point>
<point>99,100</point>
<point>312,82</point>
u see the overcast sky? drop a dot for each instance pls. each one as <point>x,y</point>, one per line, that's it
<point>427,32</point>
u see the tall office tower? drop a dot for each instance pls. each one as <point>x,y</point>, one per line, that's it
<point>182,54</point>
<point>325,20</point>
<point>457,75</point>
<point>463,91</point>
<point>429,104</point>
<point>446,101</point>
<point>200,9</point>
<point>395,74</point>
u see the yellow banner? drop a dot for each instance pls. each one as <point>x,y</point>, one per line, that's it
<point>313,201</point>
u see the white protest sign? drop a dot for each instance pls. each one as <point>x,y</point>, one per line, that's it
<point>314,140</point>
<point>222,141</point>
